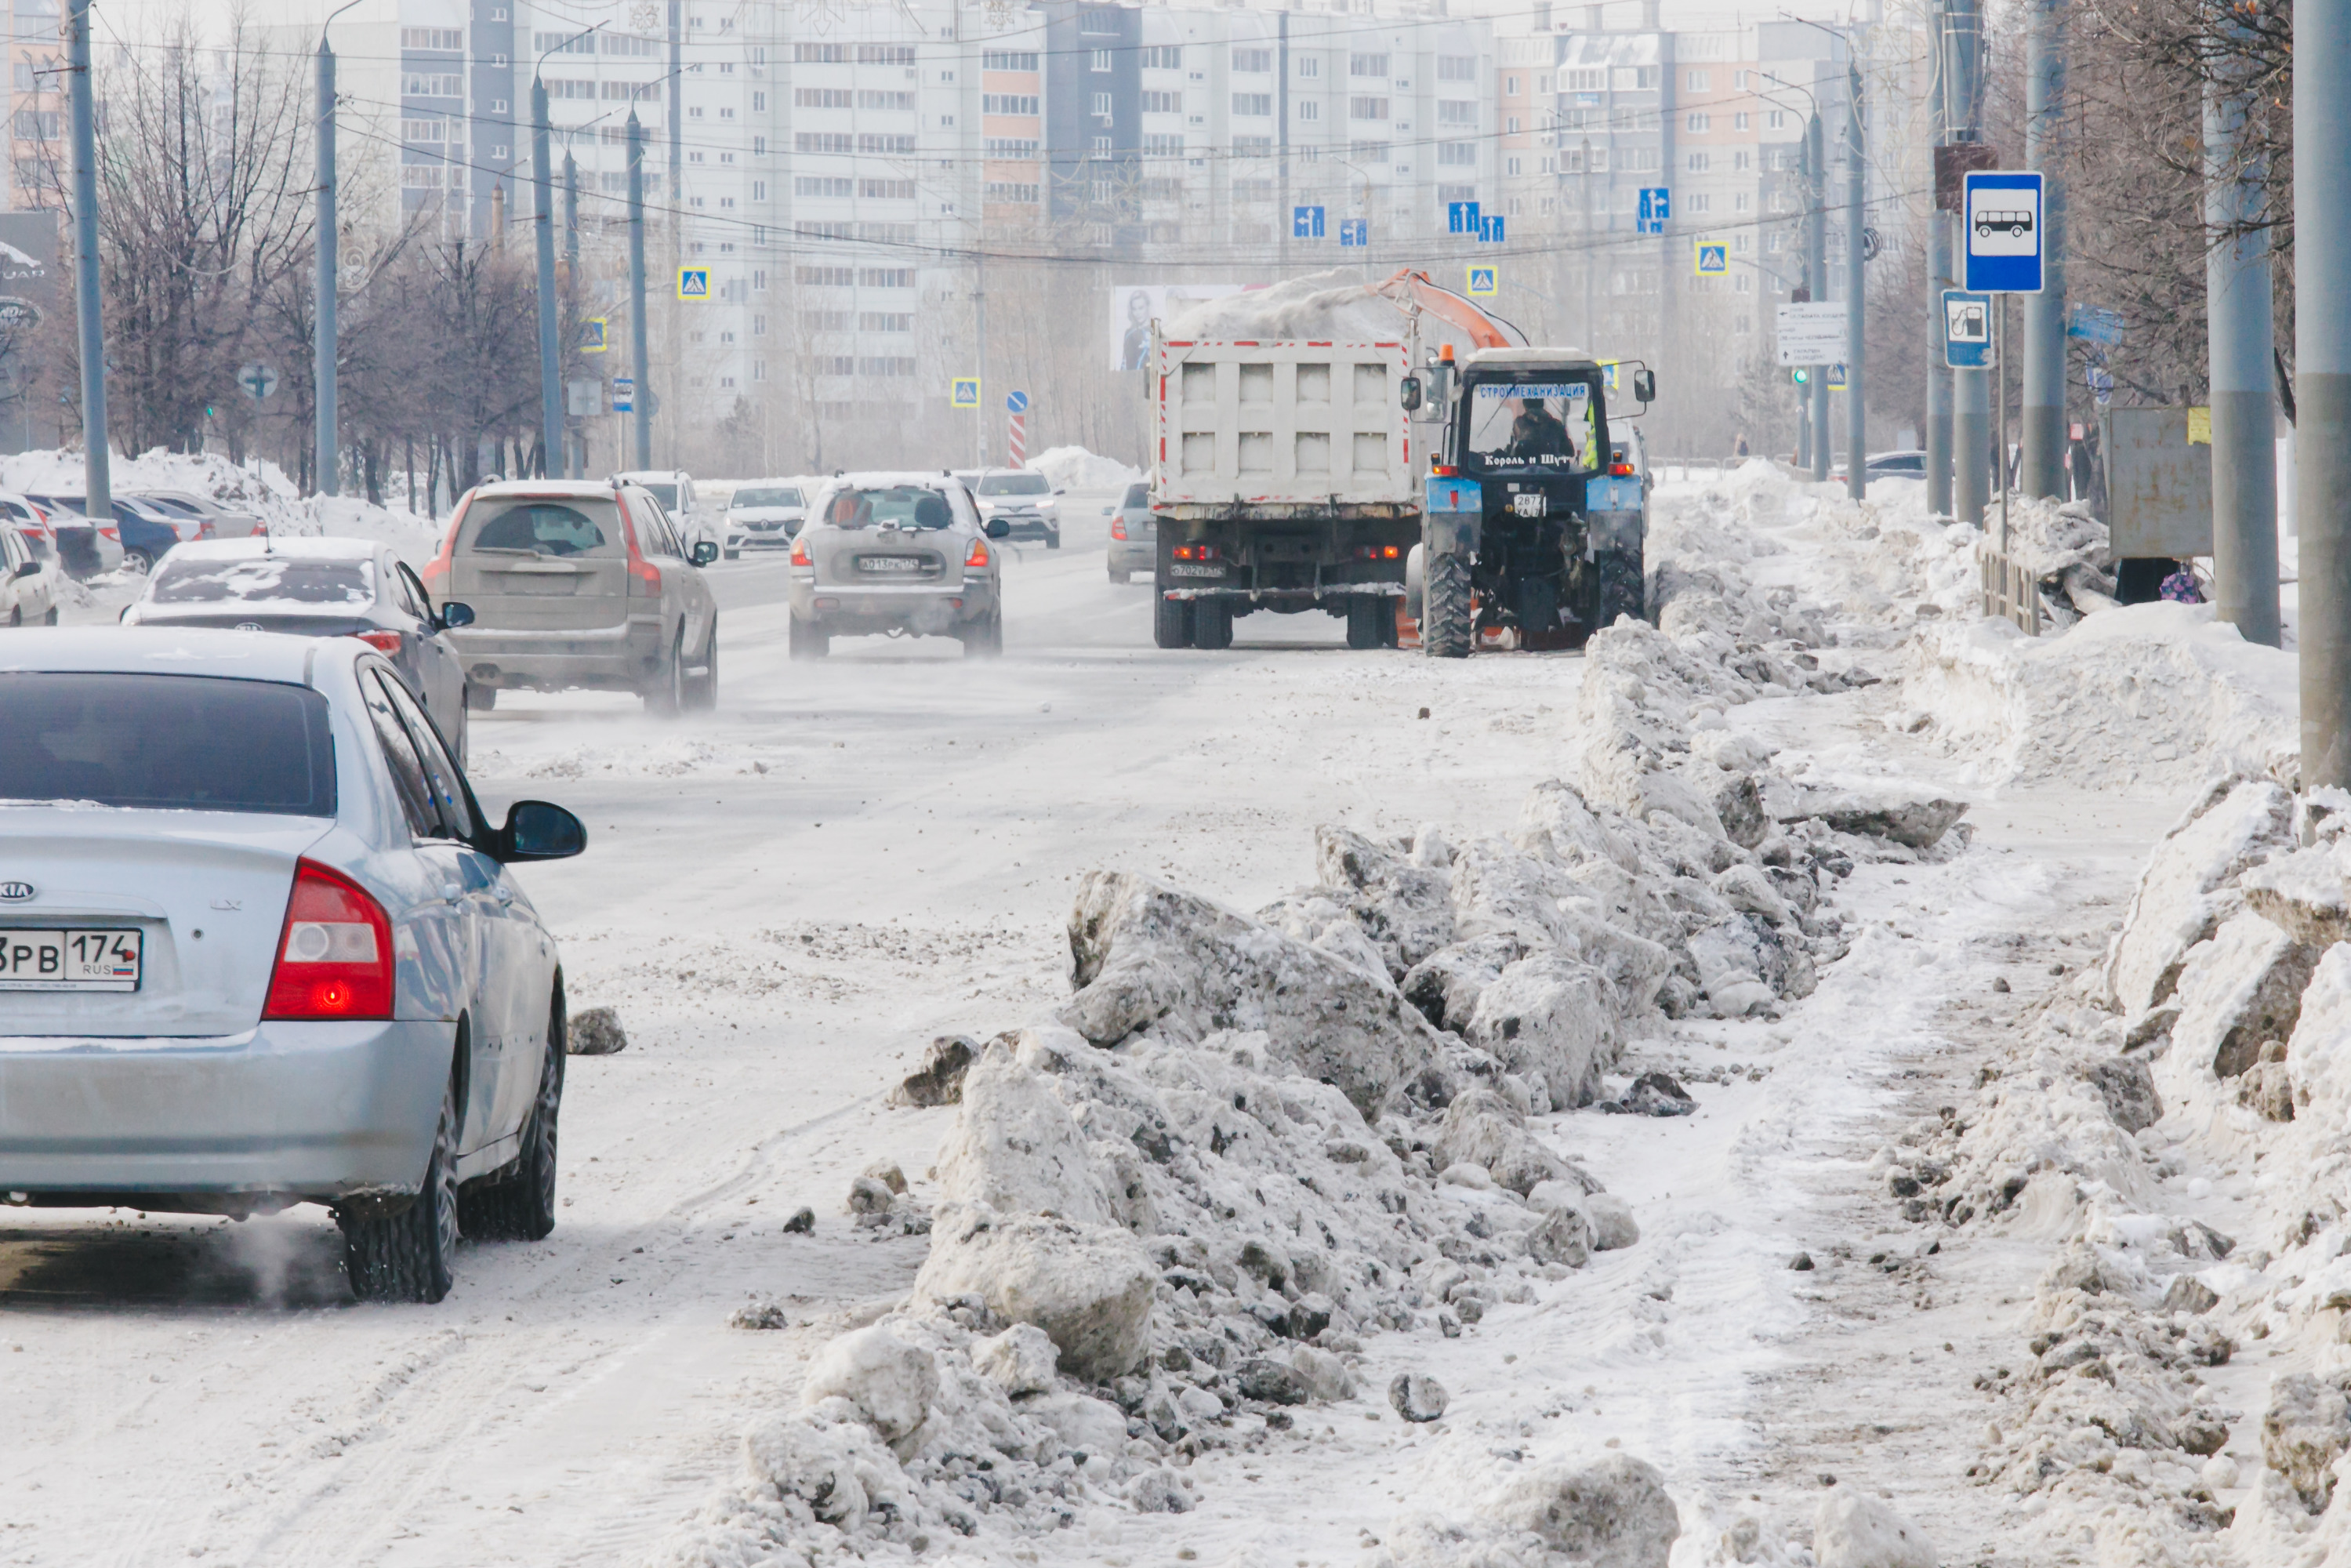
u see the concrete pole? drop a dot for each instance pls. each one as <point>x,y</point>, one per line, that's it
<point>551,373</point>
<point>2041,462</point>
<point>324,248</point>
<point>640,417</point>
<point>1812,291</point>
<point>98,486</point>
<point>1938,279</point>
<point>1816,268</point>
<point>2322,340</point>
<point>570,211</point>
<point>2237,307</point>
<point>1971,390</point>
<point>1857,391</point>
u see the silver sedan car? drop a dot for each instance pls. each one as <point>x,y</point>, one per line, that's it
<point>897,554</point>
<point>258,946</point>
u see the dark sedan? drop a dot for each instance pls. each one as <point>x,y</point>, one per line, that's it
<point>318,587</point>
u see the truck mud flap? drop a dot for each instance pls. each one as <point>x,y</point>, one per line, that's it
<point>1612,531</point>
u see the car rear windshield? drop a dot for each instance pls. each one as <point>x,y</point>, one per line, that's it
<point>264,579</point>
<point>1136,496</point>
<point>565,528</point>
<point>908,505</point>
<point>780,498</point>
<point>183,743</point>
<point>1016,485</point>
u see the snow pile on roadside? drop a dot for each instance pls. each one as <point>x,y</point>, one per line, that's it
<point>1075,468</point>
<point>416,539</point>
<point>1337,305</point>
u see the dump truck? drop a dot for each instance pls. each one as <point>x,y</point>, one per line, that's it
<point>1285,477</point>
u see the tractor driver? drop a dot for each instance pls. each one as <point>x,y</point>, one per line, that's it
<point>1537,433</point>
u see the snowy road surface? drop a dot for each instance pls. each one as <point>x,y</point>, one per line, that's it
<point>788,898</point>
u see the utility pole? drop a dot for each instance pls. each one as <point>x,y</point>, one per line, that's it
<point>542,179</point>
<point>640,417</point>
<point>1856,401</point>
<point>576,460</point>
<point>2041,466</point>
<point>97,488</point>
<point>2322,343</point>
<point>980,336</point>
<point>2237,307</point>
<point>1938,279</point>
<point>1816,271</point>
<point>324,248</point>
<point>1971,390</point>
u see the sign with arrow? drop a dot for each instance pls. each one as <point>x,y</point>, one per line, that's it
<point>1461,217</point>
<point>1355,231</point>
<point>257,380</point>
<point>1656,207</point>
<point>1306,223</point>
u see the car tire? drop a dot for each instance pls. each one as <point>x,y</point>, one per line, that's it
<point>983,639</point>
<point>15,616</point>
<point>806,641</point>
<point>409,1256</point>
<point>732,555</point>
<point>702,690</point>
<point>1171,623</point>
<point>518,1203</point>
<point>1119,577</point>
<point>138,560</point>
<point>1212,623</point>
<point>1053,540</point>
<point>1363,621</point>
<point>51,617</point>
<point>666,697</point>
<point>1446,632</point>
<point>480,699</point>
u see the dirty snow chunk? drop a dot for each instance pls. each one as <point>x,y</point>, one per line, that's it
<point>2308,894</point>
<point>1083,1422</point>
<point>1149,956</point>
<point>1406,909</point>
<point>890,1382</point>
<point>1021,1360</point>
<point>1015,1148</point>
<point>1462,1173</point>
<point>837,1468</point>
<point>2318,1057</point>
<point>868,1197</point>
<point>1654,1094</point>
<point>1481,1128</point>
<point>1612,1225</point>
<point>1158,1491</point>
<point>2237,990</point>
<point>1344,940</point>
<point>1446,985</point>
<point>1854,1531</point>
<point>1920,824</point>
<point>2127,1087</point>
<point>1327,1377</point>
<point>1613,1514</point>
<point>594,1032</point>
<point>1075,468</point>
<point>2183,893</point>
<point>1565,1238</point>
<point>1087,1287</point>
<point>1747,889</point>
<point>1273,1382</point>
<point>1546,1019</point>
<point>801,1223</point>
<point>1730,962</point>
<point>887,1172</point>
<point>2188,1294</point>
<point>1500,890</point>
<point>758,1312</point>
<point>1417,1397</point>
<point>2306,1428</point>
<point>939,1081</point>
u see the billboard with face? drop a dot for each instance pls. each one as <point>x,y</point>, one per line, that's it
<point>1133,306</point>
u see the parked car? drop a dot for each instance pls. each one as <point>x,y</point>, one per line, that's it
<point>317,588</point>
<point>29,585</point>
<point>901,554</point>
<point>571,583</point>
<point>144,531</point>
<point>1025,500</point>
<point>764,514</point>
<point>1134,534</point>
<point>1896,466</point>
<point>674,488</point>
<point>287,964</point>
<point>84,548</point>
<point>227,522</point>
<point>28,519</point>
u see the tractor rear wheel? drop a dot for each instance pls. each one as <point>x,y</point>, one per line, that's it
<point>1446,630</point>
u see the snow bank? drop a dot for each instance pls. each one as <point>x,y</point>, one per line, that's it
<point>1337,305</point>
<point>1075,468</point>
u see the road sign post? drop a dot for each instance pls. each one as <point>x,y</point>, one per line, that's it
<point>2237,287</point>
<point>2040,467</point>
<point>1656,207</point>
<point>1016,406</point>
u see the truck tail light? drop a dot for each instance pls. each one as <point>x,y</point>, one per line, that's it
<point>1378,552</point>
<point>1196,552</point>
<point>1621,470</point>
<point>381,640</point>
<point>979,556</point>
<point>1118,528</point>
<point>334,958</point>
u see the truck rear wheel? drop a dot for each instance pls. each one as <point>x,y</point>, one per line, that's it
<point>1171,623</point>
<point>1618,587</point>
<point>1212,623</point>
<point>1444,625</point>
<point>1364,616</point>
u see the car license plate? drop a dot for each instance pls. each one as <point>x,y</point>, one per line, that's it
<point>69,960</point>
<point>889,563</point>
<point>1182,568</point>
<point>1527,506</point>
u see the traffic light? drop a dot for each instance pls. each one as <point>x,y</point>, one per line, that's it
<point>1803,377</point>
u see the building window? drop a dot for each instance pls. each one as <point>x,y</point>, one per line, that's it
<point>1367,65</point>
<point>1583,79</point>
<point>1457,154</point>
<point>1252,103</point>
<point>1099,19</point>
<point>1700,203</point>
<point>453,39</point>
<point>1459,68</point>
<point>1008,103</point>
<point>1102,60</point>
<point>1163,57</point>
<point>1700,163</point>
<point>1007,60</point>
<point>886,190</point>
<point>1513,125</point>
<point>1449,111</point>
<point>1739,121</point>
<point>1510,86</point>
<point>1510,166</point>
<point>1700,123</point>
<point>886,54</point>
<point>1739,161</point>
<point>1162,103</point>
<point>1253,62</point>
<point>1309,68</point>
<point>1775,119</point>
<point>1367,108</point>
<point>1102,106</point>
<point>1310,110</point>
<point>1700,81</point>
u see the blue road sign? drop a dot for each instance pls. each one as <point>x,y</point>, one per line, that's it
<point>1712,258</point>
<point>1656,206</point>
<point>1836,378</point>
<point>1355,231</point>
<point>624,391</point>
<point>1016,402</point>
<point>2096,324</point>
<point>2005,232</point>
<point>963,391</point>
<point>2102,384</point>
<point>1482,281</point>
<point>1967,330</point>
<point>1305,223</point>
<point>1461,217</point>
<point>1490,231</point>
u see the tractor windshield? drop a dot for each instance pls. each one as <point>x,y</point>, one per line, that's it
<point>1545,421</point>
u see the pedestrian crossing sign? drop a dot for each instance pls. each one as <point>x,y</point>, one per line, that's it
<point>694,283</point>
<point>594,336</point>
<point>1713,259</point>
<point>1482,282</point>
<point>964,392</point>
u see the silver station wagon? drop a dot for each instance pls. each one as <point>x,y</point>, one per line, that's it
<point>258,946</point>
<point>897,554</point>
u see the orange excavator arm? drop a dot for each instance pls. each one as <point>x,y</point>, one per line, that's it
<point>1408,288</point>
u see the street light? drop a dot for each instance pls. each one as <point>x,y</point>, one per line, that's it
<point>551,387</point>
<point>324,248</point>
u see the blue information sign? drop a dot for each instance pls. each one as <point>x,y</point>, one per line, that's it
<point>2005,232</point>
<point>1967,330</point>
<point>1305,223</point>
<point>1656,206</point>
<point>1016,402</point>
<point>1461,217</point>
<point>1490,231</point>
<point>1355,231</point>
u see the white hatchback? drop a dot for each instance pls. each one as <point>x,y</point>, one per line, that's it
<point>258,946</point>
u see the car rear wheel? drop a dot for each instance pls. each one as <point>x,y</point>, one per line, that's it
<point>137,560</point>
<point>807,641</point>
<point>1117,574</point>
<point>51,617</point>
<point>1053,539</point>
<point>480,699</point>
<point>409,1256</point>
<point>702,690</point>
<point>518,1204</point>
<point>666,696</point>
<point>983,639</point>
